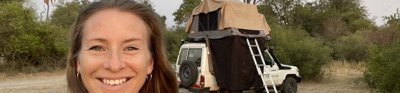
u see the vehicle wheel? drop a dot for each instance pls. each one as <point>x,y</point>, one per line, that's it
<point>188,73</point>
<point>289,85</point>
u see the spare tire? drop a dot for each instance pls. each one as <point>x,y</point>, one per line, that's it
<point>188,73</point>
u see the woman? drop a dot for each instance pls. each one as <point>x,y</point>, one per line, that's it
<point>117,47</point>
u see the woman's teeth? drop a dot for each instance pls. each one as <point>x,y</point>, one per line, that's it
<point>114,82</point>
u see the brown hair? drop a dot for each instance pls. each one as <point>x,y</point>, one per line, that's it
<point>163,77</point>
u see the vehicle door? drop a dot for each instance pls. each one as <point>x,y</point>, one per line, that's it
<point>272,67</point>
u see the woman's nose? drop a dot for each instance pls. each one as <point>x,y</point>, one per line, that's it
<point>114,63</point>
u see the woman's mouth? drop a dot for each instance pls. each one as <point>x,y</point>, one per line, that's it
<point>114,82</point>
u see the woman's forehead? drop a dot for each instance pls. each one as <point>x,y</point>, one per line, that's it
<point>113,23</point>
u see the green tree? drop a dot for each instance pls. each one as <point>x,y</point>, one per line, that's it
<point>296,47</point>
<point>383,63</point>
<point>393,20</point>
<point>162,18</point>
<point>185,10</point>
<point>283,9</point>
<point>338,23</point>
<point>320,16</point>
<point>173,40</point>
<point>27,44</point>
<point>389,32</point>
<point>66,12</point>
<point>383,67</point>
<point>353,47</point>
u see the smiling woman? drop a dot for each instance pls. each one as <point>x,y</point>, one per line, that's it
<point>117,47</point>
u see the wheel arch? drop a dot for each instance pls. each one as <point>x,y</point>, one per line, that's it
<point>298,79</point>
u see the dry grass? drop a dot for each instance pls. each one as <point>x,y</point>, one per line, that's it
<point>339,77</point>
<point>24,76</point>
<point>42,82</point>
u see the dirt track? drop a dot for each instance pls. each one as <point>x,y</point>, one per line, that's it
<point>340,78</point>
<point>34,83</point>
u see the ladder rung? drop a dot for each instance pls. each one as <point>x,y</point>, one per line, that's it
<point>266,74</point>
<point>260,65</point>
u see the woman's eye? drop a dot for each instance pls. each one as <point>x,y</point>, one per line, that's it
<point>131,48</point>
<point>97,48</point>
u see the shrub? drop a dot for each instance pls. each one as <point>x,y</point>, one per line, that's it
<point>173,42</point>
<point>295,47</point>
<point>384,67</point>
<point>353,47</point>
<point>27,44</point>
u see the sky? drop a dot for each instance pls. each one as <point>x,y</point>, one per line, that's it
<point>379,8</point>
<point>376,8</point>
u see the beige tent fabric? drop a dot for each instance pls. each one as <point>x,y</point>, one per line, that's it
<point>234,14</point>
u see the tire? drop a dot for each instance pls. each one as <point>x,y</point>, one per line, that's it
<point>188,73</point>
<point>289,85</point>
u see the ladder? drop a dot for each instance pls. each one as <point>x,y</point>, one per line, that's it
<point>258,54</point>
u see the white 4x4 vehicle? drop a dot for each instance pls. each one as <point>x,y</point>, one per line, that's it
<point>193,68</point>
<point>220,57</point>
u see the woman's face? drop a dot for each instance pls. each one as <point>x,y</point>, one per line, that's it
<point>115,55</point>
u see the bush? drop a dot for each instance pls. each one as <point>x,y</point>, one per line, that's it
<point>29,45</point>
<point>295,47</point>
<point>352,48</point>
<point>384,67</point>
<point>173,42</point>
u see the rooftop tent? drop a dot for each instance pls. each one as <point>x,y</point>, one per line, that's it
<point>227,24</point>
<point>221,18</point>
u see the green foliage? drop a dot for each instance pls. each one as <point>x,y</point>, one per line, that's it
<point>268,12</point>
<point>282,9</point>
<point>173,42</point>
<point>29,45</point>
<point>296,47</point>
<point>394,19</point>
<point>353,47</point>
<point>328,19</point>
<point>185,10</point>
<point>161,17</point>
<point>340,24</point>
<point>383,67</point>
<point>66,13</point>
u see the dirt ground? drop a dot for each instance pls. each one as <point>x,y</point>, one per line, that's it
<point>339,78</point>
<point>43,82</point>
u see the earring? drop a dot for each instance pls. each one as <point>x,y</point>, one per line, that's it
<point>149,77</point>
<point>77,74</point>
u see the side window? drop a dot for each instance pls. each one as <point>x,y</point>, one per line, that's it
<point>195,55</point>
<point>183,55</point>
<point>267,59</point>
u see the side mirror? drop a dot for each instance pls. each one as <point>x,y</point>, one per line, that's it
<point>271,48</point>
<point>182,42</point>
<point>173,66</point>
<point>268,37</point>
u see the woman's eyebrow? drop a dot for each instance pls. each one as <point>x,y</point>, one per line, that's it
<point>131,40</point>
<point>105,40</point>
<point>98,39</point>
